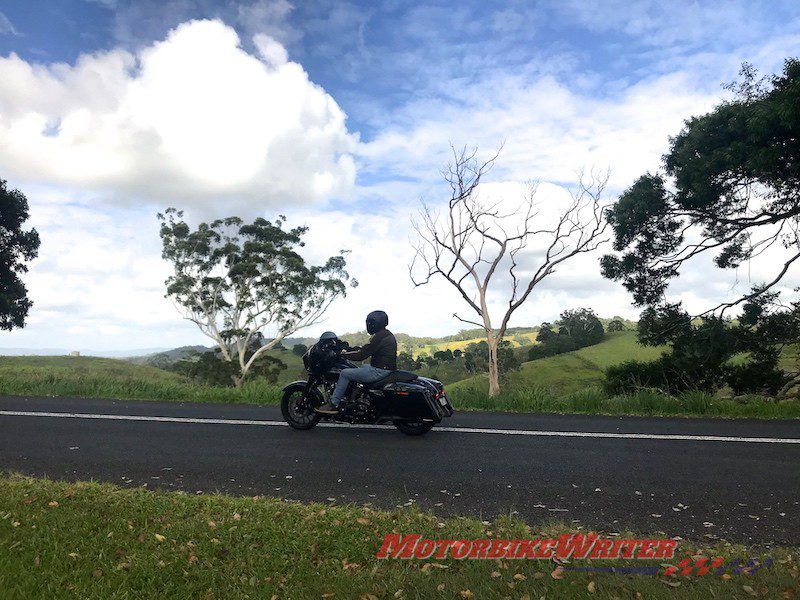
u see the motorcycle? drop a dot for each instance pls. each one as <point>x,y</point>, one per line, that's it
<point>411,403</point>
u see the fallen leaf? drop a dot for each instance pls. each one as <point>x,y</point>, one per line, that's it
<point>362,521</point>
<point>789,593</point>
<point>37,561</point>
<point>591,588</point>
<point>496,574</point>
<point>237,517</point>
<point>212,525</point>
<point>519,577</point>
<point>558,573</point>
<point>159,537</point>
<point>30,500</point>
<point>440,587</point>
<point>73,555</point>
<point>539,575</point>
<point>725,577</point>
<point>52,503</point>
<point>398,593</point>
<point>369,597</point>
<point>749,590</point>
<point>670,583</point>
<point>466,594</point>
<point>97,573</point>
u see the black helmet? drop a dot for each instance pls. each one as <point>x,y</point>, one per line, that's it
<point>377,320</point>
<point>328,335</point>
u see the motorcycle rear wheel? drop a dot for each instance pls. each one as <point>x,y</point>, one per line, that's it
<point>413,427</point>
<point>296,417</point>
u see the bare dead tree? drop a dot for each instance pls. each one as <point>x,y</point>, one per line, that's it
<point>474,240</point>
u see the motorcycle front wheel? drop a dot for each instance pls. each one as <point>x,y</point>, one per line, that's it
<point>413,427</point>
<point>298,416</point>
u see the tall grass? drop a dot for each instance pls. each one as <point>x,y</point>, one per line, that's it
<point>593,400</point>
<point>109,378</point>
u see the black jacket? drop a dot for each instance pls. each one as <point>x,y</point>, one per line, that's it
<point>382,348</point>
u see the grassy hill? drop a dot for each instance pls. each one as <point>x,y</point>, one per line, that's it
<point>571,372</point>
<point>517,340</point>
<point>90,376</point>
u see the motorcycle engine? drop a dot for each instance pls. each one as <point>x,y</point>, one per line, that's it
<point>360,410</point>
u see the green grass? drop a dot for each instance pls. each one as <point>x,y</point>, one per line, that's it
<point>572,372</point>
<point>89,540</point>
<point>592,400</point>
<point>567,383</point>
<point>110,378</point>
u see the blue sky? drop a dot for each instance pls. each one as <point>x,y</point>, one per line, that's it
<point>117,109</point>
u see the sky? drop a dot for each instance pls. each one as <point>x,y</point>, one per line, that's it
<point>340,115</point>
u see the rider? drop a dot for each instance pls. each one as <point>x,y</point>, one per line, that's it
<point>382,350</point>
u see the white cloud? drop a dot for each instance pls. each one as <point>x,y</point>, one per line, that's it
<point>120,126</point>
<point>192,120</point>
<point>549,131</point>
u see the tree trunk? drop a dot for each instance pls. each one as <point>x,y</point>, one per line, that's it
<point>494,373</point>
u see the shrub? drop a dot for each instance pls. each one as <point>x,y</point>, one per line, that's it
<point>670,373</point>
<point>616,325</point>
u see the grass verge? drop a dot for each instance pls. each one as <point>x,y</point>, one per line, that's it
<point>89,540</point>
<point>109,378</point>
<point>593,401</point>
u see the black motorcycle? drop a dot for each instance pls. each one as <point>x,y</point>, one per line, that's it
<point>412,403</point>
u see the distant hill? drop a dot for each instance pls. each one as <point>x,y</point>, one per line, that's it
<point>65,352</point>
<point>571,371</point>
<point>519,337</point>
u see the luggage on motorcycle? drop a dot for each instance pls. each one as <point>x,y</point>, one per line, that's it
<point>417,399</point>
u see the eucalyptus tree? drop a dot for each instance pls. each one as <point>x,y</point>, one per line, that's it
<point>236,280</point>
<point>481,249</point>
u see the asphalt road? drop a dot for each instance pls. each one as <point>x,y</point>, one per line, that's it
<point>708,484</point>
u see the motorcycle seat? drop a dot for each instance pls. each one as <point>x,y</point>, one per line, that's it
<point>393,377</point>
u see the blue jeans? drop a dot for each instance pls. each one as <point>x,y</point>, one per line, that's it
<point>364,374</point>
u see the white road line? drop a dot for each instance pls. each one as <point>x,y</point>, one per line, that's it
<point>523,432</point>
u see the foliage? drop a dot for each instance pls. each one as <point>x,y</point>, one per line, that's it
<point>299,349</point>
<point>546,333</point>
<point>235,279</point>
<point>701,352</point>
<point>582,326</point>
<point>735,172</point>
<point>615,325</point>
<point>209,368</point>
<point>731,179</point>
<point>577,328</point>
<point>16,248</point>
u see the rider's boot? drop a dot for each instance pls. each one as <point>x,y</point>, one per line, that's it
<point>329,408</point>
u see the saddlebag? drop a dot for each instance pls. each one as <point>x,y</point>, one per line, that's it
<point>417,399</point>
